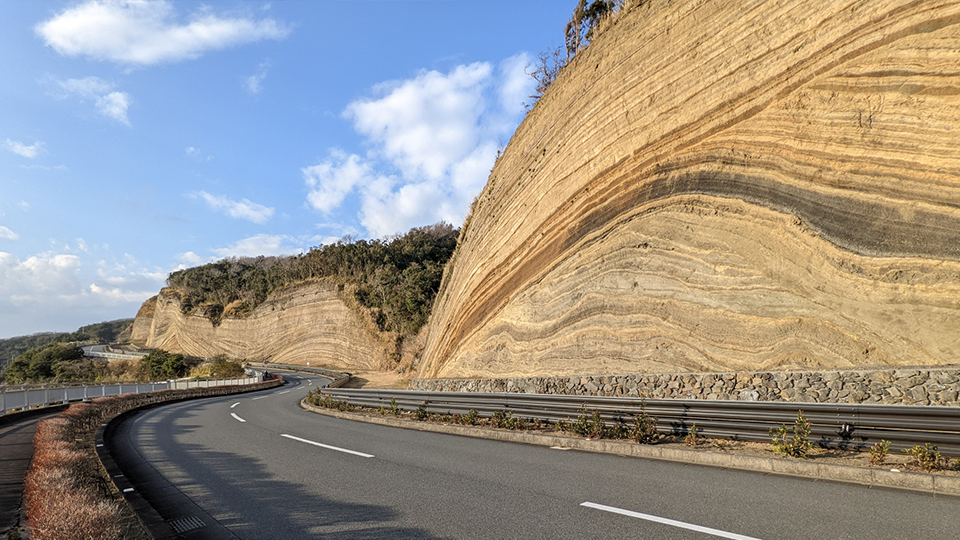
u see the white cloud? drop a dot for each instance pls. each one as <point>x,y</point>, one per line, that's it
<point>334,178</point>
<point>244,209</point>
<point>188,259</point>
<point>260,244</point>
<point>114,105</point>
<point>196,154</point>
<point>21,149</point>
<point>141,32</point>
<point>37,278</point>
<point>254,83</point>
<point>432,139</point>
<point>425,124</point>
<point>7,234</point>
<point>109,103</point>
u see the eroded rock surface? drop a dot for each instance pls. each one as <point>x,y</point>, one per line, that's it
<point>723,186</point>
<point>300,324</point>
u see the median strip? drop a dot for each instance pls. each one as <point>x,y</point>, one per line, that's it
<point>667,521</point>
<point>327,446</point>
<point>234,415</point>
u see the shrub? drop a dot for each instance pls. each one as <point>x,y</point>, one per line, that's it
<point>878,452</point>
<point>927,457</point>
<point>797,445</point>
<point>589,424</point>
<point>421,413</point>
<point>692,436</point>
<point>645,426</point>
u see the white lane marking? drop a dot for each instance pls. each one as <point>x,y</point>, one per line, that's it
<point>671,522</point>
<point>261,397</point>
<point>235,404</point>
<point>284,392</point>
<point>327,446</point>
<point>233,414</point>
<point>310,382</point>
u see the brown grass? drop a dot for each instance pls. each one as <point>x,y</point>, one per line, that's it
<point>68,495</point>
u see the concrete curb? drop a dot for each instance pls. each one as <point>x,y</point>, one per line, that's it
<point>938,486</point>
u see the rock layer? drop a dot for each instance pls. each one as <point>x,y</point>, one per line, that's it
<point>715,186</point>
<point>296,325</point>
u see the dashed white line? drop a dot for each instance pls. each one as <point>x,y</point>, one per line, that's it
<point>233,414</point>
<point>327,446</point>
<point>235,404</point>
<point>284,392</point>
<point>261,397</point>
<point>666,521</point>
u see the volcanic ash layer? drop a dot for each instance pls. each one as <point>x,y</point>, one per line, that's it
<point>716,186</point>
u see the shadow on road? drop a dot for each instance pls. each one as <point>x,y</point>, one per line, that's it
<point>236,490</point>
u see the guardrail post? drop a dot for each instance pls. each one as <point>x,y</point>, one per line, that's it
<point>46,394</point>
<point>3,400</point>
<point>85,387</point>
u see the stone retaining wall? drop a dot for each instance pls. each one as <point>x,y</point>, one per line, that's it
<point>888,386</point>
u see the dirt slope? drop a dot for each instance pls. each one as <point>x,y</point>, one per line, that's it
<point>723,185</point>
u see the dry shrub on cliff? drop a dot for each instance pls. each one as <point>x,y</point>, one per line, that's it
<point>61,497</point>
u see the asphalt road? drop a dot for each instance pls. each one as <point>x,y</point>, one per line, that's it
<point>252,467</point>
<point>16,451</point>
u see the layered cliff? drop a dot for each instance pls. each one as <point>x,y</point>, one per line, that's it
<point>307,322</point>
<point>723,186</point>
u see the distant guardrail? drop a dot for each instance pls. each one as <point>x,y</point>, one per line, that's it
<point>337,378</point>
<point>837,425</point>
<point>24,397</point>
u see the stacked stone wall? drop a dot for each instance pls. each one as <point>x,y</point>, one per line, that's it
<point>883,386</point>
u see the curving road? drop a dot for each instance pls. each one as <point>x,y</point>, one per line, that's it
<point>258,466</point>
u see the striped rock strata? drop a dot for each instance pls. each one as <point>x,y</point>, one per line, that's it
<point>297,325</point>
<point>723,186</point>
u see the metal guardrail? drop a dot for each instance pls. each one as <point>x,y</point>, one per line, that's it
<point>114,356</point>
<point>834,424</point>
<point>337,378</point>
<point>23,397</point>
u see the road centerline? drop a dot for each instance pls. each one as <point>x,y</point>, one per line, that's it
<point>327,446</point>
<point>235,404</point>
<point>667,521</point>
<point>234,415</point>
<point>284,392</point>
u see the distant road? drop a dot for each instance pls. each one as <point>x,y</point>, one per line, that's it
<point>263,468</point>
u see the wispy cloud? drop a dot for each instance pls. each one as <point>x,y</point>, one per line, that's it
<point>21,149</point>
<point>197,154</point>
<point>141,32</point>
<point>254,83</point>
<point>7,234</point>
<point>109,102</point>
<point>433,139</point>
<point>243,209</point>
<point>260,244</point>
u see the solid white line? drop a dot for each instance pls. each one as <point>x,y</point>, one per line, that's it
<point>327,446</point>
<point>233,414</point>
<point>261,397</point>
<point>671,522</point>
<point>235,404</point>
<point>284,392</point>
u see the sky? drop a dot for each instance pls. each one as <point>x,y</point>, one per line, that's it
<point>140,137</point>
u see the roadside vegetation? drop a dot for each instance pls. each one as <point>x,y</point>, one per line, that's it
<point>104,332</point>
<point>64,363</point>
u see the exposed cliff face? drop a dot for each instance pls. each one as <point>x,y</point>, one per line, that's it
<point>721,186</point>
<point>296,325</point>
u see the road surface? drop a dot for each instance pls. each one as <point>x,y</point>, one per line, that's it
<point>258,466</point>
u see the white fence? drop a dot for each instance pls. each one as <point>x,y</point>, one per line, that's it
<point>21,398</point>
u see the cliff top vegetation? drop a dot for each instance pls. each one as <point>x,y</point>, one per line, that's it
<point>395,279</point>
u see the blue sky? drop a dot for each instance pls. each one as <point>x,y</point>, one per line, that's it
<point>138,137</point>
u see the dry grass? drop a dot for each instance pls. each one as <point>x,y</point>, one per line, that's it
<point>62,500</point>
